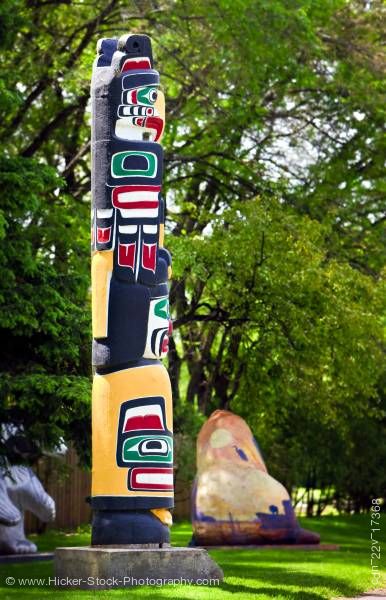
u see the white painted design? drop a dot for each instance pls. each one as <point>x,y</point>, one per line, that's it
<point>162,449</point>
<point>150,229</point>
<point>154,478</point>
<point>139,213</point>
<point>138,196</point>
<point>127,229</point>
<point>126,130</point>
<point>154,323</point>
<point>104,213</point>
<point>136,111</point>
<point>137,256</point>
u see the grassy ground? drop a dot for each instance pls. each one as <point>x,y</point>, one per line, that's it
<point>249,574</point>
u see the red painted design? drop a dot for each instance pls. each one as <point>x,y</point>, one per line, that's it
<point>143,422</point>
<point>149,256</point>
<point>165,345</point>
<point>103,234</point>
<point>121,189</point>
<point>136,63</point>
<point>135,485</point>
<point>157,124</point>
<point>126,255</point>
<point>142,204</point>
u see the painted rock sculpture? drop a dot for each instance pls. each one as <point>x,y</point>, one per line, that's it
<point>21,490</point>
<point>235,500</point>
<point>132,421</point>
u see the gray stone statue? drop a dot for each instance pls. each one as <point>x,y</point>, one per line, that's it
<point>9,515</point>
<point>21,490</point>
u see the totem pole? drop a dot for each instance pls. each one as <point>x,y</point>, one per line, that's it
<point>132,422</point>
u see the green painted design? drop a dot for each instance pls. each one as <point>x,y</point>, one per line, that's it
<point>147,95</point>
<point>134,449</point>
<point>118,159</point>
<point>161,309</point>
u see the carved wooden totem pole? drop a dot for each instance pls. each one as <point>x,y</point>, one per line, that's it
<point>132,453</point>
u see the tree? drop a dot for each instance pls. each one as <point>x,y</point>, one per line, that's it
<point>273,176</point>
<point>44,322</point>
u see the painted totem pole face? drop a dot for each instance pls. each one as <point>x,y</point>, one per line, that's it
<point>159,328</point>
<point>145,445</point>
<point>142,112</point>
<point>140,115</point>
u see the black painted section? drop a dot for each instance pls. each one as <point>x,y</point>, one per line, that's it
<point>127,527</point>
<point>120,503</point>
<point>137,45</point>
<point>133,162</point>
<point>107,49</point>
<point>144,362</point>
<point>128,317</point>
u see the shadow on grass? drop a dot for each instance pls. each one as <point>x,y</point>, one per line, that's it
<point>282,577</point>
<point>274,592</point>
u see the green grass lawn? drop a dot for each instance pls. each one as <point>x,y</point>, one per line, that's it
<point>249,574</point>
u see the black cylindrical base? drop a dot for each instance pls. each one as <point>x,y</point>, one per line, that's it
<point>111,527</point>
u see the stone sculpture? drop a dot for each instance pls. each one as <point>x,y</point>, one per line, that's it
<point>132,454</point>
<point>9,515</point>
<point>235,501</point>
<point>21,490</point>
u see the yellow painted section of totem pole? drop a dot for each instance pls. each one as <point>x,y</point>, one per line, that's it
<point>101,270</point>
<point>164,515</point>
<point>109,392</point>
<point>159,106</point>
<point>161,235</point>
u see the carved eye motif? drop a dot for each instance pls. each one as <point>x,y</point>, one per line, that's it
<point>153,95</point>
<point>147,95</point>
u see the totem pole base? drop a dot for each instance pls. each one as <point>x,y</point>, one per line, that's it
<point>107,567</point>
<point>122,527</point>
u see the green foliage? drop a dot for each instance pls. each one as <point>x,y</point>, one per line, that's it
<point>309,324</point>
<point>10,21</point>
<point>45,317</point>
<point>274,177</point>
<point>187,422</point>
